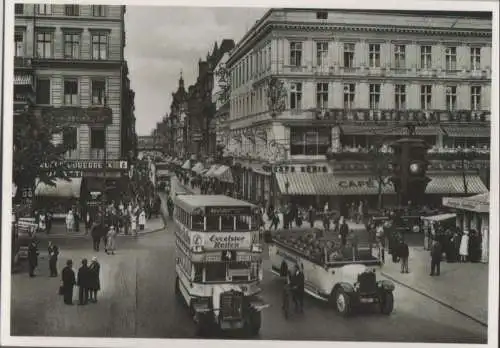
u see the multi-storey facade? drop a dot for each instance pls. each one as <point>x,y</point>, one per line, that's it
<point>176,122</point>
<point>313,90</point>
<point>74,57</point>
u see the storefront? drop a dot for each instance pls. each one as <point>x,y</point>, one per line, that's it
<point>473,213</point>
<point>89,183</point>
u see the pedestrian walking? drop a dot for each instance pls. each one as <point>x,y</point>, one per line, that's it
<point>326,220</point>
<point>88,222</point>
<point>380,237</point>
<point>404,254</point>
<point>68,282</point>
<point>464,247</point>
<point>70,221</point>
<point>344,231</point>
<point>297,283</point>
<point>33,257</point>
<point>142,220</point>
<point>275,220</point>
<point>42,226</point>
<point>133,223</point>
<point>170,207</point>
<point>111,240</point>
<point>76,215</point>
<point>83,283</point>
<point>94,279</point>
<point>49,221</point>
<point>96,234</point>
<point>436,252</point>
<point>311,216</point>
<point>53,255</point>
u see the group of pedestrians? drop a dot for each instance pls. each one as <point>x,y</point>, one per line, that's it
<point>87,280</point>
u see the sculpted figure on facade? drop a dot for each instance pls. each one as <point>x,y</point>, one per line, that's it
<point>276,96</point>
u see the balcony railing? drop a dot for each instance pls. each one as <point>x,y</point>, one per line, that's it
<point>443,154</point>
<point>387,117</point>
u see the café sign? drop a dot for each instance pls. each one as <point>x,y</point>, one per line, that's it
<point>369,183</point>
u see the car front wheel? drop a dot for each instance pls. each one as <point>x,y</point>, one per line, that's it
<point>342,302</point>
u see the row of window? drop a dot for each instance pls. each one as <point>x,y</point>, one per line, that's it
<point>400,96</point>
<point>311,141</point>
<point>72,44</point>
<point>69,10</point>
<point>256,102</point>
<point>71,91</point>
<point>374,56</point>
<point>252,65</point>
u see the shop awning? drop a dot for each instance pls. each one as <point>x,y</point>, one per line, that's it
<point>440,217</point>
<point>211,170</point>
<point>454,184</point>
<point>63,188</point>
<point>478,203</point>
<point>186,165</point>
<point>299,184</point>
<point>198,167</point>
<point>259,169</point>
<point>471,132</point>
<point>224,174</point>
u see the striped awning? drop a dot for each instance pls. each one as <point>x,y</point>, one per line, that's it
<point>454,184</point>
<point>22,80</point>
<point>299,184</point>
<point>431,130</point>
<point>468,131</point>
<point>62,188</point>
<point>198,167</point>
<point>259,169</point>
<point>224,174</point>
<point>211,170</point>
<point>359,185</point>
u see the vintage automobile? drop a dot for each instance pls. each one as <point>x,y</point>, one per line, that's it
<point>344,276</point>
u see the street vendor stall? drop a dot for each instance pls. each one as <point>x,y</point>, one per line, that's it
<point>473,213</point>
<point>435,227</point>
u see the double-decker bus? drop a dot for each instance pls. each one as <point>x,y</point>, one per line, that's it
<point>219,262</point>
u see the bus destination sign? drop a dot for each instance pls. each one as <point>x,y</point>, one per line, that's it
<point>228,211</point>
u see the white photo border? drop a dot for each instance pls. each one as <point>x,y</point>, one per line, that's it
<point>7,138</point>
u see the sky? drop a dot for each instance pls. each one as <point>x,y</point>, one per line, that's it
<point>163,41</point>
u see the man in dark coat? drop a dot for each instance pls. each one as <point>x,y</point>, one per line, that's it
<point>436,252</point>
<point>297,282</point>
<point>83,283</point>
<point>95,232</point>
<point>53,254</point>
<point>68,282</point>
<point>344,231</point>
<point>404,254</point>
<point>311,216</point>
<point>33,257</point>
<point>170,207</point>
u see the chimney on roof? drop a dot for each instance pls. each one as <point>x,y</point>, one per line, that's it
<point>202,68</point>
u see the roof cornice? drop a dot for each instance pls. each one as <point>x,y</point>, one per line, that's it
<point>240,51</point>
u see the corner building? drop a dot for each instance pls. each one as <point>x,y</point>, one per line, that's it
<point>313,90</point>
<point>72,59</point>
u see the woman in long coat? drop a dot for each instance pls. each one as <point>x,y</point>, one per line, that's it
<point>94,279</point>
<point>142,220</point>
<point>70,221</point>
<point>464,247</point>
<point>111,240</point>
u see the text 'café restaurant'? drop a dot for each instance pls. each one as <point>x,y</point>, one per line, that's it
<point>89,181</point>
<point>315,185</point>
